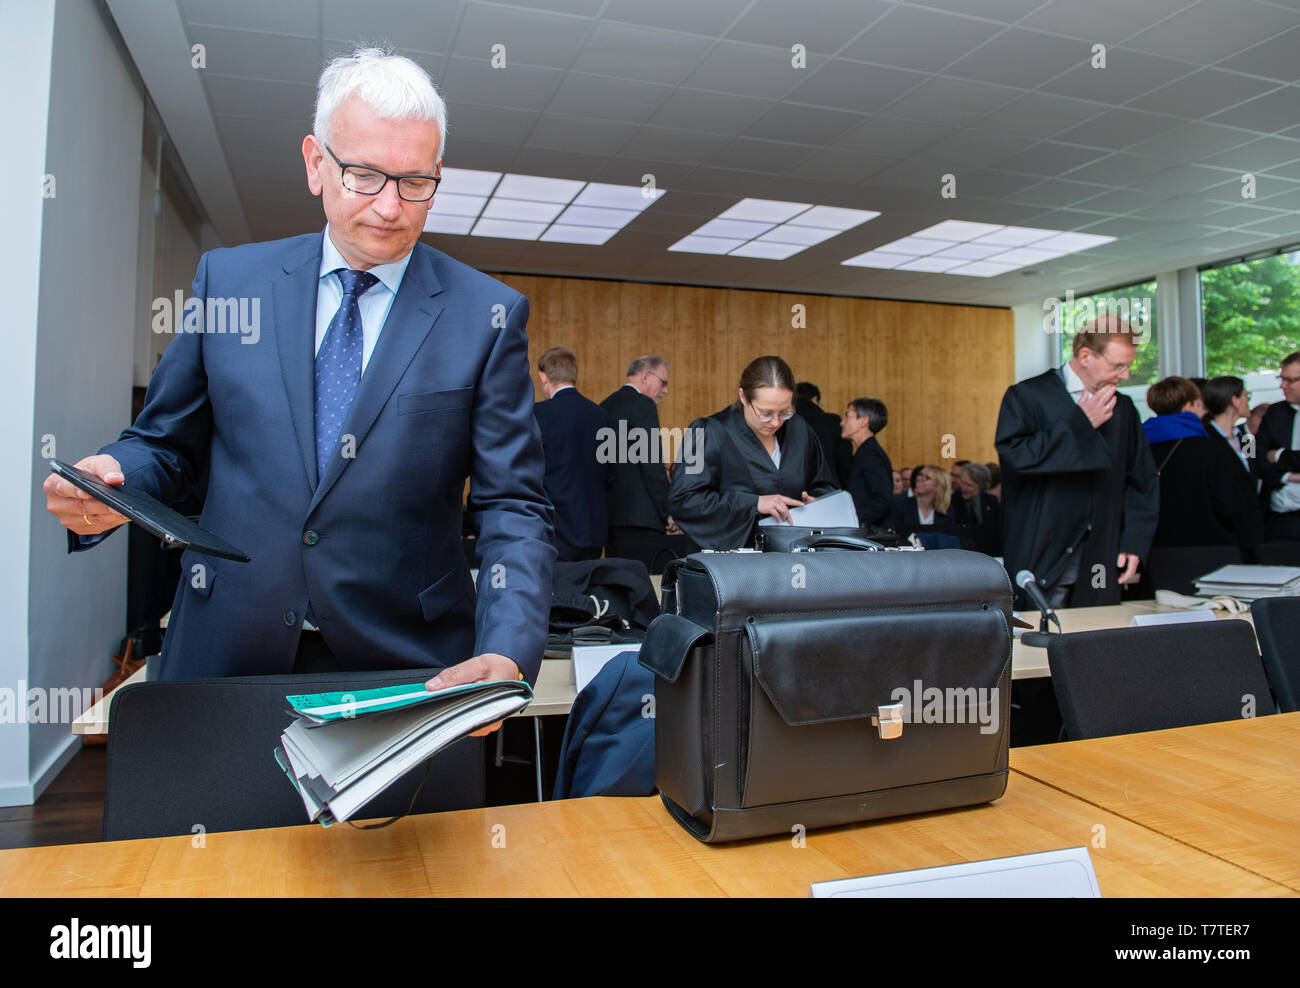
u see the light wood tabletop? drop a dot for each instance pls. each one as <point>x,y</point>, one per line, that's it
<point>1230,789</point>
<point>617,847</point>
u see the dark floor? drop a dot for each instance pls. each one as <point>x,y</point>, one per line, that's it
<point>70,811</point>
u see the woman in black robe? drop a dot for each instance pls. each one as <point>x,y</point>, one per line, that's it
<point>752,459</point>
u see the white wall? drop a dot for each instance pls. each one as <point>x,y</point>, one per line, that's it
<point>29,32</point>
<point>83,358</point>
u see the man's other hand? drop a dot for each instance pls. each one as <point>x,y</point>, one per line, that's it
<point>76,510</point>
<point>1130,564</point>
<point>1099,407</point>
<point>486,668</point>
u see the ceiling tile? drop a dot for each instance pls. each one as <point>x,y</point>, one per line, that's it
<point>608,99</point>
<point>677,15</point>
<point>290,17</point>
<point>426,25</point>
<point>552,163</point>
<point>671,144</point>
<point>1040,115</point>
<point>1267,114</point>
<point>951,101</point>
<point>257,55</point>
<point>1105,21</point>
<point>1021,58</point>
<point>489,123</point>
<point>249,97</point>
<point>1202,93</point>
<point>854,86</point>
<point>519,86</point>
<point>529,37</point>
<point>1191,142</point>
<point>639,53</point>
<point>1058,192</point>
<point>894,136</point>
<point>712,112</point>
<point>1117,129</point>
<point>836,165</point>
<point>580,133</point>
<point>915,38</point>
<point>752,155</point>
<point>1215,29</point>
<point>1274,58</point>
<point>260,133</point>
<point>1006,11</point>
<point>1119,201</point>
<point>1047,158</point>
<point>825,29</point>
<point>1259,155</point>
<point>806,124</point>
<point>1119,169</point>
<point>1127,75</point>
<point>749,70</point>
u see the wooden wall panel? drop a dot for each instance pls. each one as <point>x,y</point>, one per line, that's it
<point>941,369</point>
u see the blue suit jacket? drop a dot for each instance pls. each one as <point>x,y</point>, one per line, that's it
<point>374,544</point>
<point>576,481</point>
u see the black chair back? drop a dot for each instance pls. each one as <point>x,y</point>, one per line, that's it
<point>1128,680</point>
<point>1174,567</point>
<point>1276,622</point>
<point>200,753</point>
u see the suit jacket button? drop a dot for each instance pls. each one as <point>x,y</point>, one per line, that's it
<point>310,538</point>
<point>290,617</point>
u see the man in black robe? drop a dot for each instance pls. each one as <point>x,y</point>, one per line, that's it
<point>1079,487</point>
<point>836,451</point>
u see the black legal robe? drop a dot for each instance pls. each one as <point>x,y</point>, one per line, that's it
<point>718,505</point>
<point>871,482</point>
<point>1063,480</point>
<point>1206,495</point>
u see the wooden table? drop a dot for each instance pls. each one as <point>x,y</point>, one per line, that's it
<point>627,847</point>
<point>1231,790</point>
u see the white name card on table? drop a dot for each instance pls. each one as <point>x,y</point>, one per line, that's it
<point>1064,874</point>
<point>590,659</point>
<point>1171,617</point>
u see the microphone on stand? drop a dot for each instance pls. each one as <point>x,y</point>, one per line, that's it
<point>1027,582</point>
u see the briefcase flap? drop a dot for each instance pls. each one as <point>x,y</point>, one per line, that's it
<point>668,641</point>
<point>820,583</point>
<point>835,667</point>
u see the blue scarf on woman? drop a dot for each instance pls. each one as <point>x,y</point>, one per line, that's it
<point>1180,425</point>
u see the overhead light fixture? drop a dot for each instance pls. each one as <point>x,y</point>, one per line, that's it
<point>531,207</point>
<point>771,229</point>
<point>977,250</point>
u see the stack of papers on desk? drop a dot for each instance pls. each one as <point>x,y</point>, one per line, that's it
<point>1250,582</point>
<point>343,749</point>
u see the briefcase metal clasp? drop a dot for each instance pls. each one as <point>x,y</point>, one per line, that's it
<point>889,721</point>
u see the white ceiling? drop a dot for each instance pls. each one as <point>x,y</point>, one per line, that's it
<point>701,93</point>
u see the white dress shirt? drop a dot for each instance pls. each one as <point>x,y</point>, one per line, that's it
<point>1073,384</point>
<point>374,304</point>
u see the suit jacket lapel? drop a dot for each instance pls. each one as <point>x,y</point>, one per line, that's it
<point>295,339</point>
<point>409,321</point>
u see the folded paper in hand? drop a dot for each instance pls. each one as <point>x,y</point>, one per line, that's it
<point>830,511</point>
<point>345,748</point>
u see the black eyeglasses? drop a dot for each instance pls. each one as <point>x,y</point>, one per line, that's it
<point>368,181</point>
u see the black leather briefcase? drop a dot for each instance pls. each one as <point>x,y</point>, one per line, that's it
<point>824,688</point>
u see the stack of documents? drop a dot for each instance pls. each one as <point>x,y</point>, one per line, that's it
<point>343,749</point>
<point>1250,582</point>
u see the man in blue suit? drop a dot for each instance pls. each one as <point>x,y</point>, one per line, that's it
<point>336,440</point>
<point>576,480</point>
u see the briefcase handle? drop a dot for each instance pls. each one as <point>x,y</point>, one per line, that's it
<point>811,543</point>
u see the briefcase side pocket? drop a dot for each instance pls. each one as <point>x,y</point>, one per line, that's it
<point>680,654</point>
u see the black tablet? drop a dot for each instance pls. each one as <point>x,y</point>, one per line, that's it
<point>150,514</point>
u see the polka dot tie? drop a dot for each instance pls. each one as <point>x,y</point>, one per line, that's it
<point>338,364</point>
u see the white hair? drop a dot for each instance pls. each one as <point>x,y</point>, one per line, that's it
<point>395,87</point>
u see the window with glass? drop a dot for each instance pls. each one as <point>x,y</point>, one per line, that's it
<point>1136,305</point>
<point>1252,314</point>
